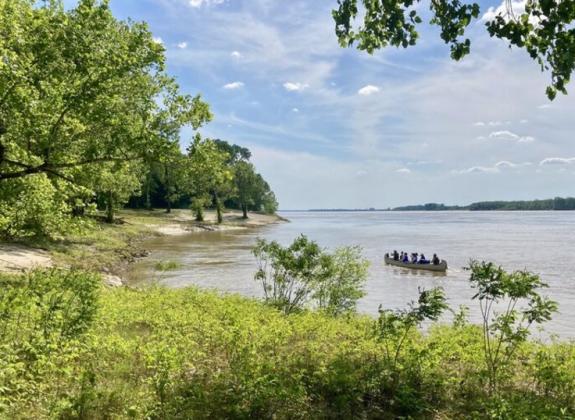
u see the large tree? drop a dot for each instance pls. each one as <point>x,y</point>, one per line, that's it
<point>80,88</point>
<point>209,175</point>
<point>545,29</point>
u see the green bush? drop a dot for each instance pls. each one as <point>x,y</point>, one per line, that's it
<point>32,206</point>
<point>44,316</point>
<point>304,274</point>
<point>72,350</point>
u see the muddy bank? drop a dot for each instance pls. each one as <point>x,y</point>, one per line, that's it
<point>110,249</point>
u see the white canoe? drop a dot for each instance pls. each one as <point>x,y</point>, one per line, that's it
<point>442,266</point>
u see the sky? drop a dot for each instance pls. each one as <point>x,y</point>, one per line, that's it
<point>338,128</point>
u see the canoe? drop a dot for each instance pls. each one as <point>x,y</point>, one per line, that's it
<point>442,266</point>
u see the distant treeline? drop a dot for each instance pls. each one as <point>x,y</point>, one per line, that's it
<point>556,203</point>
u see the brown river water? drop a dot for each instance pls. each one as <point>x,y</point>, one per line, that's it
<point>543,242</point>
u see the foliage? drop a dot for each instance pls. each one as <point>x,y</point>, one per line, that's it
<point>504,331</point>
<point>393,329</point>
<point>33,206</point>
<point>545,29</point>
<point>294,276</point>
<point>186,353</point>
<point>195,180</point>
<point>84,98</point>
<point>80,87</point>
<point>252,190</point>
<point>245,178</point>
<point>210,176</point>
<point>343,282</point>
<point>44,316</point>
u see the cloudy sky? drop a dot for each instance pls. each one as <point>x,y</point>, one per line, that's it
<point>333,127</point>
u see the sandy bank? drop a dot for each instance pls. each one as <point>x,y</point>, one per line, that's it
<point>16,258</point>
<point>108,248</point>
<point>182,222</point>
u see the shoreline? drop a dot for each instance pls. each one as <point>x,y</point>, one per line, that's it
<point>110,248</point>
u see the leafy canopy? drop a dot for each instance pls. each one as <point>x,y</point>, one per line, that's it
<point>545,29</point>
<point>80,87</point>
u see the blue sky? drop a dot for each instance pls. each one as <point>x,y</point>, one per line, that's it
<point>333,127</point>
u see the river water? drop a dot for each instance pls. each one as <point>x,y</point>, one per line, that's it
<point>543,242</point>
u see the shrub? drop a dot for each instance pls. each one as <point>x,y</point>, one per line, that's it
<point>504,331</point>
<point>304,273</point>
<point>43,317</point>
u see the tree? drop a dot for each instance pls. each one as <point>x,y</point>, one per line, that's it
<point>545,30</point>
<point>304,273</point>
<point>115,183</point>
<point>80,87</point>
<point>209,175</point>
<point>264,198</point>
<point>82,92</point>
<point>246,181</point>
<point>236,153</point>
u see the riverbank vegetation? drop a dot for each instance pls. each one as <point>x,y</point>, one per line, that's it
<point>557,203</point>
<point>71,349</point>
<point>90,119</point>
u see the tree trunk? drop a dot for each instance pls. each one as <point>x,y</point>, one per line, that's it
<point>148,202</point>
<point>168,189</point>
<point>219,210</point>
<point>245,211</point>
<point>110,207</point>
<point>199,214</point>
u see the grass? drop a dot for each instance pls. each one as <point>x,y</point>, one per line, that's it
<point>167,265</point>
<point>99,246</point>
<point>171,354</point>
<point>103,247</point>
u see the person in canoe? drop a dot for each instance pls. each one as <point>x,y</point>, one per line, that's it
<point>395,255</point>
<point>435,260</point>
<point>423,260</point>
<point>405,258</point>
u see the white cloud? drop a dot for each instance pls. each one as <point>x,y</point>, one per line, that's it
<point>544,106</point>
<point>494,123</point>
<point>523,121</point>
<point>233,85</point>
<point>200,3</point>
<point>368,90</point>
<point>478,169</point>
<point>404,171</point>
<point>507,164</point>
<point>158,40</point>
<point>508,135</point>
<point>557,161</point>
<point>236,54</point>
<point>495,169</point>
<point>479,124</point>
<point>293,87</point>
<point>183,45</point>
<point>295,110</point>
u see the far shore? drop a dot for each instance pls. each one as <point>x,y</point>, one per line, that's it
<point>109,248</point>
